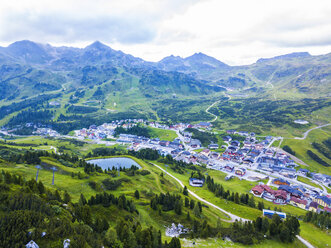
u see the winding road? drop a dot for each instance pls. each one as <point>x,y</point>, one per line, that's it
<point>207,111</point>
<point>232,216</point>
<point>307,132</point>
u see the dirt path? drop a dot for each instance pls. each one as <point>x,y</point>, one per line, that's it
<point>308,131</point>
<point>207,111</point>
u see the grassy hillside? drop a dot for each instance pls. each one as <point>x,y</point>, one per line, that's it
<point>300,147</point>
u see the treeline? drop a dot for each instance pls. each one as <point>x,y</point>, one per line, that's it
<point>322,149</point>
<point>205,137</point>
<point>33,157</point>
<point>235,197</point>
<point>321,220</point>
<point>30,116</point>
<point>32,102</point>
<point>288,149</point>
<point>135,130</point>
<point>26,207</point>
<point>107,200</point>
<point>249,233</point>
<point>315,157</point>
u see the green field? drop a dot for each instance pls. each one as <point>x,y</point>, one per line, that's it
<point>300,148</point>
<point>162,134</point>
<point>314,235</point>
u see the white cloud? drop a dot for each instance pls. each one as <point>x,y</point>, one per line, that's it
<point>236,31</point>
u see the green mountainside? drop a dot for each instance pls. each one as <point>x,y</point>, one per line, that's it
<point>95,84</point>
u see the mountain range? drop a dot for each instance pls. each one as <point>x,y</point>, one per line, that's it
<point>112,81</point>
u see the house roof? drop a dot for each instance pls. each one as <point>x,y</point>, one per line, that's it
<point>296,200</point>
<point>325,199</point>
<point>313,205</point>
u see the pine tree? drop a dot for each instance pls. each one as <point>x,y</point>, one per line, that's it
<point>66,197</point>
<point>185,191</point>
<point>136,194</point>
<point>82,200</point>
<point>196,211</point>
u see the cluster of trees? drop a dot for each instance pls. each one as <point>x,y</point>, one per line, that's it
<point>321,220</point>
<point>32,102</point>
<point>135,130</point>
<point>205,137</point>
<point>33,157</point>
<point>30,115</point>
<point>237,198</point>
<point>315,157</point>
<point>168,202</point>
<point>107,200</point>
<point>130,234</point>
<point>25,208</point>
<point>288,149</point>
<point>322,149</point>
<point>249,233</point>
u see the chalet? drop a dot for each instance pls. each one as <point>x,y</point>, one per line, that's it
<point>186,153</point>
<point>323,201</point>
<point>231,149</point>
<point>240,171</point>
<point>155,141</point>
<point>227,138</point>
<point>175,152</point>
<point>242,133</point>
<point>194,182</point>
<point>235,143</point>
<point>298,202</point>
<point>202,159</point>
<point>280,181</point>
<point>205,124</point>
<point>290,190</point>
<point>229,167</point>
<point>280,197</point>
<point>231,131</point>
<point>205,152</point>
<point>214,155</point>
<point>213,146</point>
<point>258,190</point>
<point>228,177</point>
<point>248,160</point>
<point>313,206</point>
<point>195,143</point>
<point>270,213</point>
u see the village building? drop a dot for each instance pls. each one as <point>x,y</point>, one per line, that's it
<point>323,201</point>
<point>280,181</point>
<point>298,202</point>
<point>313,206</point>
<point>213,146</point>
<point>194,182</point>
<point>270,213</point>
<point>240,171</point>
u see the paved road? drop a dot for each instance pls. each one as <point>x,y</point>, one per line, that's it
<point>207,111</point>
<point>232,216</point>
<point>305,242</point>
<point>307,132</point>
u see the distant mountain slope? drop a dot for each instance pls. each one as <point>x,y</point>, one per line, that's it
<point>98,82</point>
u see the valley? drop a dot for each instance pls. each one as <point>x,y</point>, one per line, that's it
<point>219,147</point>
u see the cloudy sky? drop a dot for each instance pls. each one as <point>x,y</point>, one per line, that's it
<point>234,31</point>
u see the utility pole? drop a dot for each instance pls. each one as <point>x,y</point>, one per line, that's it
<point>38,168</point>
<point>53,169</point>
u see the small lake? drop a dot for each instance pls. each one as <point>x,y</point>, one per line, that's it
<point>106,163</point>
